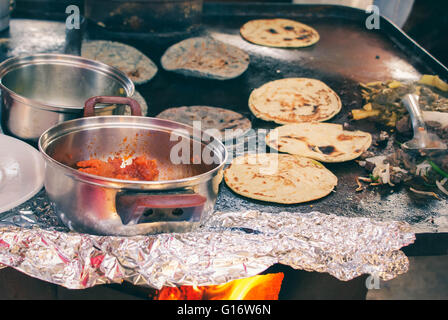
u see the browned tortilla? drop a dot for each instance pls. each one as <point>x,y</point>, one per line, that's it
<point>279,33</point>
<point>327,142</point>
<point>294,100</point>
<point>279,178</point>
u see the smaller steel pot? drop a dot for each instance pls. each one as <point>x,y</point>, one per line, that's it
<point>184,194</point>
<point>42,90</point>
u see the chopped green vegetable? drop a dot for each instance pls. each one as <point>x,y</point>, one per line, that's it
<point>437,169</point>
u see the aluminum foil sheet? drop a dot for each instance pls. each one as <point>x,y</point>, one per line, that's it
<point>228,246</point>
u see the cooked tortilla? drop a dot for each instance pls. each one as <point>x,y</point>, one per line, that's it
<point>230,124</point>
<point>138,67</point>
<point>294,100</point>
<point>326,142</point>
<point>279,178</point>
<point>205,57</point>
<point>279,33</point>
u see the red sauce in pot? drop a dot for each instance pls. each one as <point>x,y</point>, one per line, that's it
<point>141,168</point>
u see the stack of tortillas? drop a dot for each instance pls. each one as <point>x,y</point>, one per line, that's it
<point>327,142</point>
<point>294,100</point>
<point>279,33</point>
<point>280,178</point>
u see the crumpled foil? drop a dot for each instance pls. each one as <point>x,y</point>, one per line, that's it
<point>228,246</point>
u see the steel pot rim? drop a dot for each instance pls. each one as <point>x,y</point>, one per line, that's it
<point>15,63</point>
<point>126,184</point>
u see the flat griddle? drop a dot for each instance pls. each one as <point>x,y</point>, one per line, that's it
<point>348,53</point>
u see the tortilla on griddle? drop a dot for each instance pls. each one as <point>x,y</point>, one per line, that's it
<point>279,178</point>
<point>211,118</point>
<point>294,100</point>
<point>138,67</point>
<point>279,33</point>
<point>326,142</point>
<point>205,57</point>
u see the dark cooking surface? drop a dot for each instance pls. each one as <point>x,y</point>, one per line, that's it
<point>346,54</point>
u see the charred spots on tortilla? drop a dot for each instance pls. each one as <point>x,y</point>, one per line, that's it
<point>273,31</point>
<point>304,37</point>
<point>296,138</point>
<point>327,149</point>
<point>134,73</point>
<point>344,137</point>
<point>287,39</point>
<point>288,28</point>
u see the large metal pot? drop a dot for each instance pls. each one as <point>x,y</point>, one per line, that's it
<point>183,195</point>
<point>42,90</point>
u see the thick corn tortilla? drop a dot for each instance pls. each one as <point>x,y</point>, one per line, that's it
<point>138,67</point>
<point>282,33</point>
<point>326,142</point>
<point>230,124</point>
<point>294,100</point>
<point>205,57</point>
<point>279,178</point>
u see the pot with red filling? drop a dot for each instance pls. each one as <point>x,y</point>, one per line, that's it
<point>125,175</point>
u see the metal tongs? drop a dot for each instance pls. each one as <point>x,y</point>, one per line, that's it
<point>423,140</point>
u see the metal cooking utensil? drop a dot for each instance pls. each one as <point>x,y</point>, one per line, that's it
<point>423,140</point>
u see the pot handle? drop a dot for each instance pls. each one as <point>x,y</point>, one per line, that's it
<point>89,106</point>
<point>131,207</point>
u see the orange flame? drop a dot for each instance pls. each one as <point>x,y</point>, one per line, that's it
<point>260,287</point>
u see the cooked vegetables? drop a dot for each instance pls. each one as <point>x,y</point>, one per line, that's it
<point>425,193</point>
<point>425,175</point>
<point>383,99</point>
<point>359,114</point>
<point>422,175</point>
<point>434,81</point>
<point>440,186</point>
<point>437,169</point>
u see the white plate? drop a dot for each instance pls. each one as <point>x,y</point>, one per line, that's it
<point>21,172</point>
